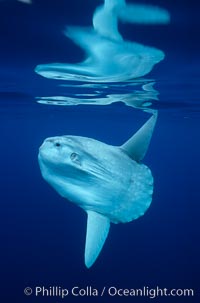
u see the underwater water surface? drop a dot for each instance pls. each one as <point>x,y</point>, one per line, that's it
<point>43,234</point>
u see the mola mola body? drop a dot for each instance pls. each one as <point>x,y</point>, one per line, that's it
<point>108,182</point>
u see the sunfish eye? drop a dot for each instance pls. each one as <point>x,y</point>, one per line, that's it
<point>57,144</point>
<point>73,156</point>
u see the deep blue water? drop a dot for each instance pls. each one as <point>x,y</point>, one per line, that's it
<point>42,234</point>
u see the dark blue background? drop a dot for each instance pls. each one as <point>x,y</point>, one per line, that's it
<point>42,235</point>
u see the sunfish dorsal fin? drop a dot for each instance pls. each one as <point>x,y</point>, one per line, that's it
<point>97,231</point>
<point>143,14</point>
<point>26,1</point>
<point>136,147</point>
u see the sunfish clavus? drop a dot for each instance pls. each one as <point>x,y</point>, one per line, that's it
<point>108,182</point>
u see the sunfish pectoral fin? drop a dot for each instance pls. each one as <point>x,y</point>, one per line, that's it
<point>137,146</point>
<point>97,231</point>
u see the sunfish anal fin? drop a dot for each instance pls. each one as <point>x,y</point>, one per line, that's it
<point>137,146</point>
<point>97,231</point>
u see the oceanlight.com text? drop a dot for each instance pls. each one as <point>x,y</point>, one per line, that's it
<point>109,291</point>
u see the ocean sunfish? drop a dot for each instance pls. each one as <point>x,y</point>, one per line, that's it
<point>108,57</point>
<point>109,182</point>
